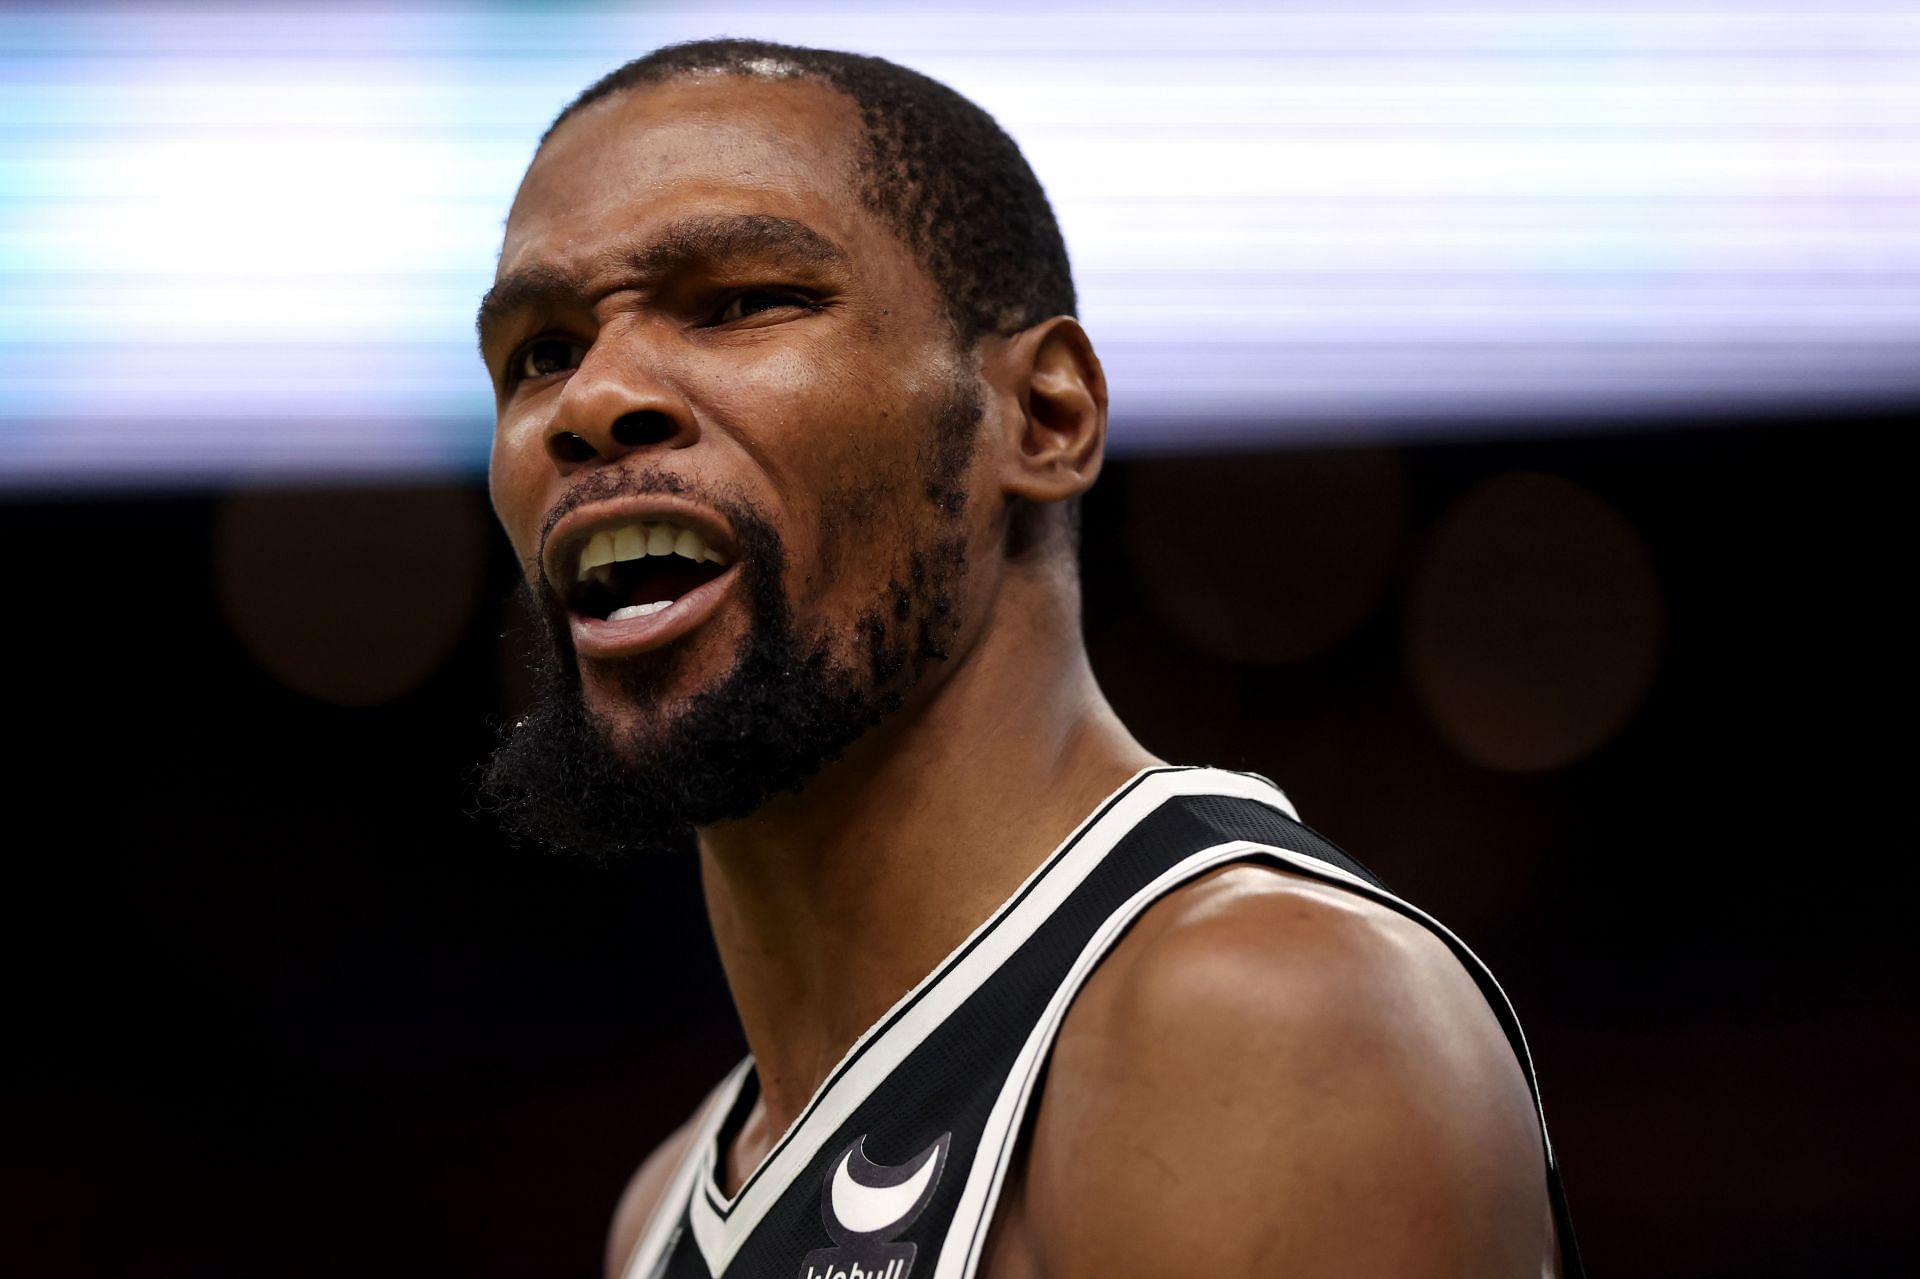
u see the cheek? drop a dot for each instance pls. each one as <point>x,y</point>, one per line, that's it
<point>512,485</point>
<point>799,403</point>
<point>836,437</point>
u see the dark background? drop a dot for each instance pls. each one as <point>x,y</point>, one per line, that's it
<point>1629,711</point>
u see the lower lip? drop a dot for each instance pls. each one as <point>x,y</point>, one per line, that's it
<point>595,637</point>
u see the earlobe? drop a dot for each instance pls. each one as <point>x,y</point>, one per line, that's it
<point>1056,445</point>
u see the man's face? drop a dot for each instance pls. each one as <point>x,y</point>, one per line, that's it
<point>697,328</point>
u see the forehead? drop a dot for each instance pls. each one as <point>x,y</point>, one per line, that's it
<point>693,146</point>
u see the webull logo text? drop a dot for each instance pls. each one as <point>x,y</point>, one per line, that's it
<point>896,1269</point>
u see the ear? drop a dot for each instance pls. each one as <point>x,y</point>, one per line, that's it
<point>1052,447</point>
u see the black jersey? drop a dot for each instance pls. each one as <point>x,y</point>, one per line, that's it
<point>894,1168</point>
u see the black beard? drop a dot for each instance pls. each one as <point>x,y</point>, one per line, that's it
<point>787,707</point>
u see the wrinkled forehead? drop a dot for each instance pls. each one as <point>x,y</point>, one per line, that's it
<point>692,145</point>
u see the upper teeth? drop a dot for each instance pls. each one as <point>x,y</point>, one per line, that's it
<point>640,540</point>
<point>637,541</point>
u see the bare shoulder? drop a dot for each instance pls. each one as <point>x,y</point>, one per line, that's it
<point>642,1195</point>
<point>1271,1075</point>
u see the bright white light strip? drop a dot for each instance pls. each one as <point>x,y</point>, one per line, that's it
<point>240,242</point>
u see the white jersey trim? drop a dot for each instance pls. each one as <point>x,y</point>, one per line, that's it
<point>722,1225</point>
<point>963,1248</point>
<point>662,1230</point>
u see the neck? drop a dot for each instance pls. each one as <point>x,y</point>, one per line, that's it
<point>829,905</point>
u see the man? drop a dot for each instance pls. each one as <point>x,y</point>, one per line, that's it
<point>792,419</point>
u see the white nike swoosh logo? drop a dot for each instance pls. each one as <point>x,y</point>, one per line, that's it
<point>868,1210</point>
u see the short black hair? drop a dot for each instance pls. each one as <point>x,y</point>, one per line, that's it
<point>936,168</point>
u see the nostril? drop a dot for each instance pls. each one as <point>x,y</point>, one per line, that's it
<point>568,447</point>
<point>648,426</point>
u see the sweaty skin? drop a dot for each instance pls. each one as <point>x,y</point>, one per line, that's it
<point>1266,1076</point>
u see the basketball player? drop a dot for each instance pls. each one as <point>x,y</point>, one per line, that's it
<point>792,419</point>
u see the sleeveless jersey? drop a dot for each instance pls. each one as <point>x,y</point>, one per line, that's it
<point>894,1168</point>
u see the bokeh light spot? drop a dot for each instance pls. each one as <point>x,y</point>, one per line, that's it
<point>350,597</point>
<point>1534,624</point>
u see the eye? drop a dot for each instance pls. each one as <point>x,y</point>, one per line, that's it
<point>545,357</point>
<point>754,301</point>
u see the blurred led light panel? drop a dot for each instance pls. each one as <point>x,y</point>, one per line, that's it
<point>248,242</point>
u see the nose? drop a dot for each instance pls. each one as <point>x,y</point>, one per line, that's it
<point>613,405</point>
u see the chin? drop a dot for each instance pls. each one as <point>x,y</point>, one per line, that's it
<point>650,690</point>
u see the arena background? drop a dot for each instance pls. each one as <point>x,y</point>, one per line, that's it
<point>1510,427</point>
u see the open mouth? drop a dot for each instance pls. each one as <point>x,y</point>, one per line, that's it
<point>641,568</point>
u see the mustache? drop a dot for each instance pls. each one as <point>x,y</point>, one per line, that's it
<point>599,485</point>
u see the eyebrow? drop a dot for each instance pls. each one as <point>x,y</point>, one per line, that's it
<point>704,239</point>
